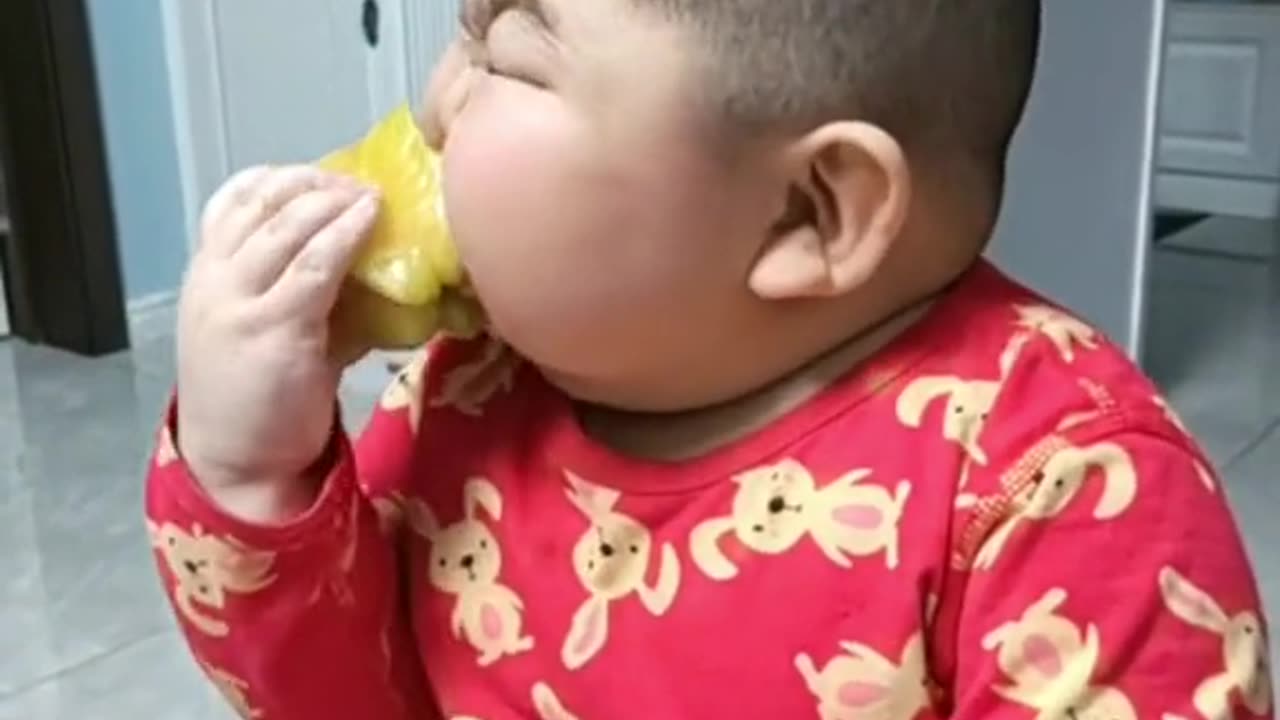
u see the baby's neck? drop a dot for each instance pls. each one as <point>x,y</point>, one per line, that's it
<point>673,437</point>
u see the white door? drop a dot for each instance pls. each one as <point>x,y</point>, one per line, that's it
<point>277,81</point>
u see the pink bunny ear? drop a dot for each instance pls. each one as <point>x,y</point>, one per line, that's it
<point>863,694</point>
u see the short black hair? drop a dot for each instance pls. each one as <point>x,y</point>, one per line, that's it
<point>939,75</point>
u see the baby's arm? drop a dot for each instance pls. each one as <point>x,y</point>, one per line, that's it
<point>274,559</point>
<point>302,619</point>
<point>1133,599</point>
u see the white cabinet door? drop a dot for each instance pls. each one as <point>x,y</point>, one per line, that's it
<point>1220,112</point>
<point>277,81</point>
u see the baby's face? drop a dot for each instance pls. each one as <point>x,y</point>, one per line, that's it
<point>607,240</point>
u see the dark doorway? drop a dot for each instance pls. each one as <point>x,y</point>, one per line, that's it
<point>62,269</point>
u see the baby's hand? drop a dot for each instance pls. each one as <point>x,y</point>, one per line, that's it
<point>257,385</point>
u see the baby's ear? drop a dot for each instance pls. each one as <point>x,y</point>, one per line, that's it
<point>844,208</point>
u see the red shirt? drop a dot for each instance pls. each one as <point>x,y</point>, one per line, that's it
<point>996,517</point>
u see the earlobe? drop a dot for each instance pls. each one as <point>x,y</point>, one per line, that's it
<point>794,265</point>
<point>854,185</point>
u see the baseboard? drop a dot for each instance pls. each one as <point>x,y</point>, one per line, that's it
<point>1236,197</point>
<point>152,317</point>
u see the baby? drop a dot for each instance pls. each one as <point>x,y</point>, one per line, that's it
<point>765,439</point>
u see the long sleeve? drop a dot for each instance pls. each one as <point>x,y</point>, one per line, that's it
<point>1106,581</point>
<point>305,621</point>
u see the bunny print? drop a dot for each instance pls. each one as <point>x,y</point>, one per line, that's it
<point>548,705</point>
<point>778,506</point>
<point>1063,330</point>
<point>234,690</point>
<point>969,403</point>
<point>465,562</point>
<point>1051,664</point>
<point>206,569</point>
<point>406,391</point>
<point>1030,649</point>
<point>468,387</point>
<point>1057,483</point>
<point>1246,676</point>
<point>862,684</point>
<point>611,560</point>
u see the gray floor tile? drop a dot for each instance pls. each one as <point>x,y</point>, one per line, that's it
<point>151,678</point>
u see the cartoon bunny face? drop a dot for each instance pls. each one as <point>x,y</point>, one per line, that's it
<point>1245,650</point>
<point>969,404</point>
<point>1244,647</point>
<point>611,559</point>
<point>769,508</point>
<point>1054,489</point>
<point>206,569</point>
<point>967,411</point>
<point>463,555</point>
<point>194,561</point>
<point>1061,478</point>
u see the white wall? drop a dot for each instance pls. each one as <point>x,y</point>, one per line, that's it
<point>1076,221</point>
<point>133,84</point>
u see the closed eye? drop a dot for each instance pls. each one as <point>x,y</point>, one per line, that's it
<point>511,75</point>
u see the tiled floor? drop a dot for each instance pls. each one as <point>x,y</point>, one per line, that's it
<point>84,633</point>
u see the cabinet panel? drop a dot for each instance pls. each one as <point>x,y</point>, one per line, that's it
<point>1220,111</point>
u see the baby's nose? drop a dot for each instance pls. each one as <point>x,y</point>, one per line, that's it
<point>447,94</point>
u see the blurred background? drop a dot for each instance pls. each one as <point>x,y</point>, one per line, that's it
<point>1144,193</point>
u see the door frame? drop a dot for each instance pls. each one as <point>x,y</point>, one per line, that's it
<point>196,80</point>
<point>63,271</point>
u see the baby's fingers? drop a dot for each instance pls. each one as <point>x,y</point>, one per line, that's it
<point>269,251</point>
<point>254,196</point>
<point>309,285</point>
<point>235,192</point>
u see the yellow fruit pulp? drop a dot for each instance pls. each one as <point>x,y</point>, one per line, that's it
<point>407,283</point>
